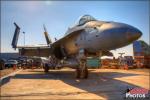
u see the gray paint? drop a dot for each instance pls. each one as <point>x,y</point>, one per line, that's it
<point>101,35</point>
<point>93,36</point>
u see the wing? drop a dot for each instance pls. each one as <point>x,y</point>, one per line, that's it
<point>107,53</point>
<point>41,51</point>
<point>71,32</point>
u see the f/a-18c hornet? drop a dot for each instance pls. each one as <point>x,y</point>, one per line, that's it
<point>88,38</point>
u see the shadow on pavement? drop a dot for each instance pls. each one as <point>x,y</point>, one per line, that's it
<point>100,83</point>
<point>5,80</point>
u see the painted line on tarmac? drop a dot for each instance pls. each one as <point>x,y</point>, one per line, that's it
<point>9,75</point>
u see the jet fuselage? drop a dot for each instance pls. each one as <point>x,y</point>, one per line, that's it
<point>100,36</point>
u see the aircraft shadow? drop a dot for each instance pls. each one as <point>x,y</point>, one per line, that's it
<point>100,83</point>
<point>5,80</point>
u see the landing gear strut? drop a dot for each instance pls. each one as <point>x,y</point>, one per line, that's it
<point>77,74</point>
<point>82,71</point>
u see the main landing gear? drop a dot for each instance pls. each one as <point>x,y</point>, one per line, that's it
<point>46,68</point>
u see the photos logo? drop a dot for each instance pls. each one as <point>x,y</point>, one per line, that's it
<point>135,93</point>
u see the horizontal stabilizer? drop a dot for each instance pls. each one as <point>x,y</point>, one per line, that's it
<point>35,51</point>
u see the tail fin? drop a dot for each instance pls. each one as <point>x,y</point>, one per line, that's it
<point>48,40</point>
<point>16,35</point>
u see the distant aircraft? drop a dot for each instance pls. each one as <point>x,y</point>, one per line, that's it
<point>88,38</point>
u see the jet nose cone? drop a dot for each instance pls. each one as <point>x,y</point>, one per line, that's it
<point>133,34</point>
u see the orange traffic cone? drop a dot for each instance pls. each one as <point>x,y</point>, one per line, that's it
<point>126,66</point>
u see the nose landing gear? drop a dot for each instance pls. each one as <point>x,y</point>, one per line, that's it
<point>82,70</point>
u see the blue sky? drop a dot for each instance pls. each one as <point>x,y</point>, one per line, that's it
<point>59,15</point>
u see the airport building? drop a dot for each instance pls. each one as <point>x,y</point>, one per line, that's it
<point>7,56</point>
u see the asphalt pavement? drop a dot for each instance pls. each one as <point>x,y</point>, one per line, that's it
<point>62,84</point>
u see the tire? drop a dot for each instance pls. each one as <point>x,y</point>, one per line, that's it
<point>53,68</point>
<point>86,73</point>
<point>78,73</point>
<point>46,68</point>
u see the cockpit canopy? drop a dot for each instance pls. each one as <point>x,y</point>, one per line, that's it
<point>84,19</point>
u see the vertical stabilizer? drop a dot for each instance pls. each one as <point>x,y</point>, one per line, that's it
<point>16,35</point>
<point>48,40</point>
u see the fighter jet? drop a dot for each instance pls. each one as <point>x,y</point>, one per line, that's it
<point>89,37</point>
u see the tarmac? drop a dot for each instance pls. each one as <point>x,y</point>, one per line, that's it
<point>61,84</point>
